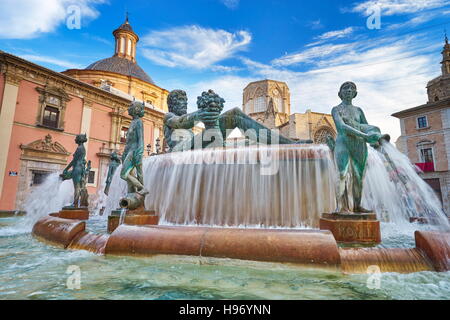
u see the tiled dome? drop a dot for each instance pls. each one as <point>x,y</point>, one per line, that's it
<point>121,66</point>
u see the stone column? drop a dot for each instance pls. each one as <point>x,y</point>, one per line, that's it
<point>115,121</point>
<point>7,111</point>
<point>86,120</point>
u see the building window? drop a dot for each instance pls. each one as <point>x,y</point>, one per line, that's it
<point>129,47</point>
<point>123,134</point>
<point>427,155</point>
<point>321,135</point>
<point>91,177</point>
<point>122,45</point>
<point>52,107</point>
<point>422,122</point>
<point>260,104</point>
<point>51,117</point>
<point>248,107</point>
<point>38,177</point>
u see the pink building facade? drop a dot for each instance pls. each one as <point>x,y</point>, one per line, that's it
<point>41,112</point>
<point>425,133</point>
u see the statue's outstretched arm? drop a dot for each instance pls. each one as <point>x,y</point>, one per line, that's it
<point>186,121</point>
<point>345,128</point>
<point>236,118</point>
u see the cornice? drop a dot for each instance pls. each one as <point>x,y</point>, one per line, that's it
<point>17,69</point>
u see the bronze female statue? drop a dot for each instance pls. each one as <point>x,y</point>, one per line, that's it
<point>350,149</point>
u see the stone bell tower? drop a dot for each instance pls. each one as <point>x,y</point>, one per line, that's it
<point>268,102</point>
<point>446,58</point>
<point>439,88</point>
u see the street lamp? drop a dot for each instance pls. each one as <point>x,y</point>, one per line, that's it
<point>158,146</point>
<point>149,149</point>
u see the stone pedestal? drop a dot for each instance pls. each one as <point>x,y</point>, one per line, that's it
<point>352,227</point>
<point>72,213</point>
<point>136,217</point>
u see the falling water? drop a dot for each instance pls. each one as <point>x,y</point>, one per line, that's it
<point>48,197</point>
<point>122,216</point>
<point>98,202</point>
<point>396,192</point>
<point>268,186</point>
<point>275,186</point>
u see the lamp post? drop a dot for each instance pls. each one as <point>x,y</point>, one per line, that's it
<point>158,146</point>
<point>149,149</point>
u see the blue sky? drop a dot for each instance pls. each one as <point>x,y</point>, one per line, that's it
<point>196,45</point>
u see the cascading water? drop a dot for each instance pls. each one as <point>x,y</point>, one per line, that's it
<point>396,192</point>
<point>270,186</point>
<point>49,197</point>
<point>275,186</point>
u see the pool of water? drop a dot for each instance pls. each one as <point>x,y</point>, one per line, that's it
<point>30,269</point>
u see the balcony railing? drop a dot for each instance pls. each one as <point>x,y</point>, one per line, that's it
<point>426,166</point>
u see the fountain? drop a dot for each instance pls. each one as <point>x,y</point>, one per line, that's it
<point>264,202</point>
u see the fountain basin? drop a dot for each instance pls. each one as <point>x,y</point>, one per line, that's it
<point>58,231</point>
<point>436,246</point>
<point>306,247</point>
<point>72,213</point>
<point>316,248</point>
<point>132,217</point>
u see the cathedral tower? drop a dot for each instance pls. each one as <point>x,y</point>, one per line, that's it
<point>268,102</point>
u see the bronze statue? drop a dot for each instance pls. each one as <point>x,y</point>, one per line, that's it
<point>78,173</point>
<point>113,164</point>
<point>210,106</point>
<point>132,159</point>
<point>350,148</point>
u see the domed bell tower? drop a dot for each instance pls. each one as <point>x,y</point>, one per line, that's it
<point>126,41</point>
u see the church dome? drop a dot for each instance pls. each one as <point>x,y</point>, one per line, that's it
<point>122,66</point>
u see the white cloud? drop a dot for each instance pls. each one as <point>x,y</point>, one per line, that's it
<point>22,19</point>
<point>388,80</point>
<point>50,60</point>
<point>396,7</point>
<point>418,19</point>
<point>311,54</point>
<point>228,87</point>
<point>230,4</point>
<point>336,34</point>
<point>390,75</point>
<point>193,46</point>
